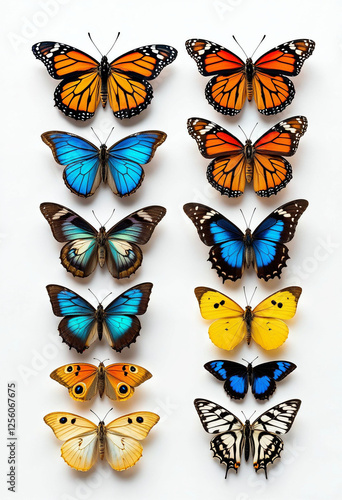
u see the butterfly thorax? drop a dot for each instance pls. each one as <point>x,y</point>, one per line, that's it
<point>248,317</point>
<point>101,248</point>
<point>247,436</point>
<point>104,71</point>
<point>249,77</point>
<point>99,317</point>
<point>101,435</point>
<point>249,157</point>
<point>103,156</point>
<point>249,252</point>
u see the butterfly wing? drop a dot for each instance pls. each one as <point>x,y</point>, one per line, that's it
<point>80,157</point>
<point>229,328</point>
<point>129,92</point>
<point>229,442</point>
<point>121,326</point>
<point>80,436</point>
<point>126,157</point>
<point>265,441</point>
<point>227,172</point>
<point>123,255</point>
<point>78,95</point>
<point>123,448</point>
<point>122,378</point>
<point>265,376</point>
<point>271,171</point>
<point>270,253</point>
<point>78,327</point>
<point>226,92</point>
<point>234,376</point>
<point>81,380</point>
<point>79,255</point>
<point>268,327</point>
<point>272,91</point>
<point>228,252</point>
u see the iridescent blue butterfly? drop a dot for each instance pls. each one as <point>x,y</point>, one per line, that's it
<point>120,165</point>
<point>82,324</point>
<point>85,246</point>
<point>232,250</point>
<point>262,378</point>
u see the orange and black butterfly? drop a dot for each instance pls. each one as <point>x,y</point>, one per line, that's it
<point>86,82</point>
<point>235,163</point>
<point>264,80</point>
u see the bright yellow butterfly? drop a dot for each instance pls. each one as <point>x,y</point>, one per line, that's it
<point>264,324</point>
<point>118,441</point>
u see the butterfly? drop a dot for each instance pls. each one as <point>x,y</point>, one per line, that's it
<point>86,82</point>
<point>120,165</point>
<point>84,380</point>
<point>235,80</point>
<point>118,442</point>
<point>264,324</point>
<point>85,246</point>
<point>82,324</point>
<point>232,250</point>
<point>261,438</point>
<point>235,163</point>
<point>262,378</point>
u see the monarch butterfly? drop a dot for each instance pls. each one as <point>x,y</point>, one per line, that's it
<point>235,80</point>
<point>235,163</point>
<point>86,82</point>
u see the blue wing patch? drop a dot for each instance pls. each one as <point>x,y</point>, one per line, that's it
<point>233,374</point>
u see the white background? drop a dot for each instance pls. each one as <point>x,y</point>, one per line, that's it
<point>174,343</point>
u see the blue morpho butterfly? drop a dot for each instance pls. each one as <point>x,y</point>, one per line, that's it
<point>262,378</point>
<point>117,247</point>
<point>232,250</point>
<point>120,165</point>
<point>82,324</point>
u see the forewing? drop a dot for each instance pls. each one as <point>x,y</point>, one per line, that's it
<point>65,302</point>
<point>278,419</point>
<point>122,378</point>
<point>135,425</point>
<point>133,301</point>
<point>80,379</point>
<point>287,58</point>
<point>211,58</point>
<point>280,305</point>
<point>283,138</point>
<point>216,305</point>
<point>65,224</point>
<point>68,425</point>
<point>234,376</point>
<point>265,376</point>
<point>216,419</point>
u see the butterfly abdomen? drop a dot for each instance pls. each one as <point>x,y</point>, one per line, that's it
<point>101,439</point>
<point>101,378</point>
<point>99,316</point>
<point>249,156</point>
<point>249,252</point>
<point>104,71</point>
<point>101,250</point>
<point>247,435</point>
<point>103,162</point>
<point>248,318</point>
<point>249,78</point>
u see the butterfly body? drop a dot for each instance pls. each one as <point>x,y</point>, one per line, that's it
<point>264,324</point>
<point>118,442</point>
<point>86,82</point>
<point>232,250</point>
<point>235,80</point>
<point>234,163</point>
<point>237,377</point>
<point>259,438</point>
<point>82,324</point>
<point>84,380</point>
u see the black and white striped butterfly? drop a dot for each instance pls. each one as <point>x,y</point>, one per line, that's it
<point>261,438</point>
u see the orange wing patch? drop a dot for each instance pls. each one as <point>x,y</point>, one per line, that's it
<point>270,174</point>
<point>227,94</point>
<point>128,97</point>
<point>79,98</point>
<point>272,93</point>
<point>228,175</point>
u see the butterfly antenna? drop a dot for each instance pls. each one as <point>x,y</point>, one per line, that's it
<point>97,137</point>
<point>252,296</point>
<point>110,217</point>
<point>263,38</point>
<point>110,133</point>
<point>110,293</point>
<point>250,135</point>
<point>250,222</point>
<point>110,409</point>
<point>94,296</point>
<point>240,46</point>
<point>92,41</point>
<point>116,39</point>
<point>95,414</point>
<point>244,218</point>
<point>243,132</point>
<point>97,359</point>
<point>244,415</point>
<point>96,218</point>
<point>244,291</point>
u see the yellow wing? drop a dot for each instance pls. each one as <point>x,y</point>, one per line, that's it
<point>80,449</point>
<point>122,450</point>
<point>268,328</point>
<point>229,328</point>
